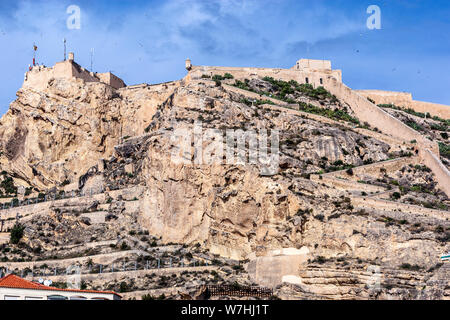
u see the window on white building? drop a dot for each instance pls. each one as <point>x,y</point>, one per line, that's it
<point>56,297</point>
<point>34,298</point>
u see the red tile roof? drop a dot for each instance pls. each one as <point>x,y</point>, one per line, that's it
<point>15,282</point>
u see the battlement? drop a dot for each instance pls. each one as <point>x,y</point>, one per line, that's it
<point>315,72</point>
<point>39,76</point>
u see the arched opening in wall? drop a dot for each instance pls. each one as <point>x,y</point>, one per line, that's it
<point>321,81</point>
<point>298,65</point>
<point>307,80</point>
<point>56,297</point>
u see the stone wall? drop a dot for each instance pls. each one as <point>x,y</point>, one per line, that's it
<point>4,237</point>
<point>405,100</point>
<point>346,184</point>
<point>316,78</point>
<point>111,79</point>
<point>374,168</point>
<point>385,205</point>
<point>442,174</point>
<point>39,76</point>
<point>376,117</point>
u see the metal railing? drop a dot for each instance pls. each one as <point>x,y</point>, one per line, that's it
<point>154,264</point>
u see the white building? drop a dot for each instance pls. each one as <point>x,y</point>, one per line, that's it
<point>15,288</point>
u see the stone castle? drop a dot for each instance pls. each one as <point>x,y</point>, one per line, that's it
<point>39,76</point>
<point>314,72</point>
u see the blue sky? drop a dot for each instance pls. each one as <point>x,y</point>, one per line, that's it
<point>148,41</point>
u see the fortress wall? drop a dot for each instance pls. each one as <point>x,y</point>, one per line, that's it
<point>281,74</point>
<point>376,117</point>
<point>39,76</point>
<point>387,97</point>
<point>370,113</point>
<point>441,172</point>
<point>404,99</point>
<point>434,109</point>
<point>111,79</point>
<point>81,73</point>
<point>384,205</point>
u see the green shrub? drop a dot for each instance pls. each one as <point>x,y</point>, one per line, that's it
<point>16,233</point>
<point>444,150</point>
<point>8,185</point>
<point>396,195</point>
<point>124,287</point>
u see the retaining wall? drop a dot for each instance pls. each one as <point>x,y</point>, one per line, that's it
<point>347,184</point>
<point>379,204</point>
<point>374,168</point>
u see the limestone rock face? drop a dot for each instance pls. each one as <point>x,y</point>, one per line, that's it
<point>57,134</point>
<point>299,229</point>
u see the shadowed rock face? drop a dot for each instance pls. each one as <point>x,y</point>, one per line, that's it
<point>232,210</point>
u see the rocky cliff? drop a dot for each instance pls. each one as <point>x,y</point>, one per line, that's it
<point>304,229</point>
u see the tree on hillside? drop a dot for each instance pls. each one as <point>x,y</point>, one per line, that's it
<point>16,233</point>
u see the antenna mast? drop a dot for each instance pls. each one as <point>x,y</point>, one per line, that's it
<point>34,53</point>
<point>64,49</point>
<point>92,59</point>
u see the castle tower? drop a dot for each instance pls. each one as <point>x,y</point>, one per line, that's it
<point>188,64</point>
